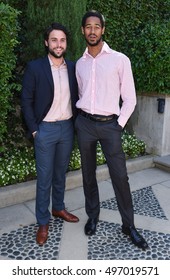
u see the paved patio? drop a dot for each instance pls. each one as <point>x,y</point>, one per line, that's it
<point>150,191</point>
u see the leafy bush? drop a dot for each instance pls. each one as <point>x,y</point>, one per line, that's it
<point>150,53</point>
<point>8,32</point>
<point>18,165</point>
<point>132,146</point>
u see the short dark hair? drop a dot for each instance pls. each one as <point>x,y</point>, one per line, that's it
<point>55,26</point>
<point>93,13</point>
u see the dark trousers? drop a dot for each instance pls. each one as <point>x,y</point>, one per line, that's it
<point>109,135</point>
<point>53,145</point>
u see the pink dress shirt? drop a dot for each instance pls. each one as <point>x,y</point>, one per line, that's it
<point>102,80</point>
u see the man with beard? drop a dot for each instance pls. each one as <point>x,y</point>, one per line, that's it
<point>104,77</point>
<point>49,94</point>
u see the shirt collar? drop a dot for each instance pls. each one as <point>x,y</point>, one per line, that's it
<point>105,48</point>
<point>52,64</point>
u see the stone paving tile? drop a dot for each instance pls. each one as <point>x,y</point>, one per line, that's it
<point>109,243</point>
<point>20,244</point>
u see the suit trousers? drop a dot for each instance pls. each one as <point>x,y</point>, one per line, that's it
<point>53,145</point>
<point>108,133</point>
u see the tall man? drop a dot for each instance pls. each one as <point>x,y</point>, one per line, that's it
<point>49,95</point>
<point>104,76</point>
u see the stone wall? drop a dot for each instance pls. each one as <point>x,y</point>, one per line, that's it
<point>152,126</point>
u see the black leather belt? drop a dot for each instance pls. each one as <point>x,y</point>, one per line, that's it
<point>98,118</point>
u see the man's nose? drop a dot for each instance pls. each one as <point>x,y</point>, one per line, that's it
<point>93,30</point>
<point>58,44</point>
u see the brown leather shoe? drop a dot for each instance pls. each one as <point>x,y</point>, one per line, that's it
<point>42,234</point>
<point>66,216</point>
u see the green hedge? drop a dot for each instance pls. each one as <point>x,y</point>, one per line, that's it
<point>151,58</point>
<point>140,29</point>
<point>8,33</point>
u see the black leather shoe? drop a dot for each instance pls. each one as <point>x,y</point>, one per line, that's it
<point>90,227</point>
<point>136,238</point>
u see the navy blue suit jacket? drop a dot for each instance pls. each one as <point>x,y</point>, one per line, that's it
<point>38,91</point>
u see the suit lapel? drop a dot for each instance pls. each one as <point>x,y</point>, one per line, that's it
<point>47,70</point>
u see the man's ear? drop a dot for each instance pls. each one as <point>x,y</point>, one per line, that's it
<point>82,30</point>
<point>103,29</point>
<point>46,43</point>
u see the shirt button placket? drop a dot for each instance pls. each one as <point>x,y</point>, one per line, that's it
<point>93,87</point>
